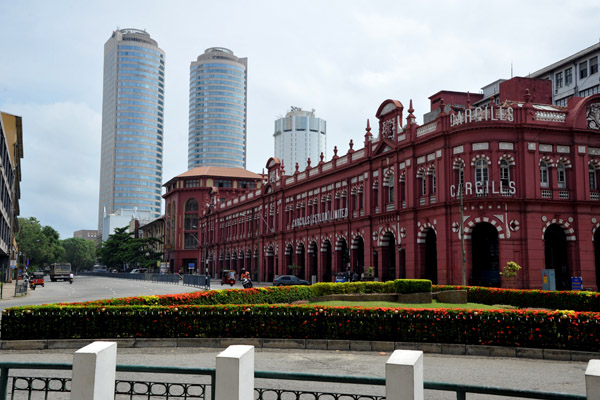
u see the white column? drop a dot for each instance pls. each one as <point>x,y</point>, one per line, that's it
<point>592,380</point>
<point>94,369</point>
<point>235,373</point>
<point>404,375</point>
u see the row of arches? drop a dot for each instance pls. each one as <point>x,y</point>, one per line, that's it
<point>323,260</point>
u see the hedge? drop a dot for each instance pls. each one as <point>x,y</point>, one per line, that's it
<point>539,329</point>
<point>553,300</point>
<point>273,295</point>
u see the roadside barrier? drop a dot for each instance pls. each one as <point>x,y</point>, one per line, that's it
<point>94,378</point>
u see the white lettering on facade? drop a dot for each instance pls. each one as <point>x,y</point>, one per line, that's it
<point>483,188</point>
<point>478,114</point>
<point>320,218</point>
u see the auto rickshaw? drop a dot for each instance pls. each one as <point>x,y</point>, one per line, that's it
<point>228,277</point>
<point>37,279</point>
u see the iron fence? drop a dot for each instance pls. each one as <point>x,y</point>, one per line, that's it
<point>167,388</point>
<point>202,281</point>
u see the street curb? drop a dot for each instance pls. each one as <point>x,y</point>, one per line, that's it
<point>311,344</point>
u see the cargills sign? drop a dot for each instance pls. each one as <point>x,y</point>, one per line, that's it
<point>479,114</point>
<point>320,218</point>
<point>483,188</point>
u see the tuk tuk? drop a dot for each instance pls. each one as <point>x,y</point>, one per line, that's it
<point>37,279</point>
<point>228,277</point>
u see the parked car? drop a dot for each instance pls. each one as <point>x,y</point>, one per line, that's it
<point>288,280</point>
<point>139,271</point>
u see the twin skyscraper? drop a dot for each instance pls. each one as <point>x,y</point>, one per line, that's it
<point>133,117</point>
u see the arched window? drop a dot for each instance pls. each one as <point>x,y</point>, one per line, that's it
<point>593,173</point>
<point>504,173</point>
<point>481,171</point>
<point>544,177</point>
<point>561,175</point>
<point>191,205</point>
<point>432,180</point>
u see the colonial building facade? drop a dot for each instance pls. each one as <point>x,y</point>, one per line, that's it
<point>486,181</point>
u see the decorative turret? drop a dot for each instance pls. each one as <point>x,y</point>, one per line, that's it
<point>410,119</point>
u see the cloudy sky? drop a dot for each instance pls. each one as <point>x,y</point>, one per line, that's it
<point>342,58</point>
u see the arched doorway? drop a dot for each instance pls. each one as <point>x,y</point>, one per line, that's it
<point>597,257</point>
<point>326,260</point>
<point>358,255</point>
<point>555,252</point>
<point>342,255</point>
<point>313,256</point>
<point>431,256</point>
<point>289,250</point>
<point>300,271</point>
<point>270,264</point>
<point>485,255</point>
<point>388,257</point>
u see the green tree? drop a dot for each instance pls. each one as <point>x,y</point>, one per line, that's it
<point>80,253</point>
<point>40,244</point>
<point>122,249</point>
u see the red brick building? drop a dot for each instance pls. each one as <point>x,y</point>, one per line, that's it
<point>530,194</point>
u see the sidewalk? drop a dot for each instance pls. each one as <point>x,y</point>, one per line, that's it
<point>8,290</point>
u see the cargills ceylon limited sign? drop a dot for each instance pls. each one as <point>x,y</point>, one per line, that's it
<point>319,218</point>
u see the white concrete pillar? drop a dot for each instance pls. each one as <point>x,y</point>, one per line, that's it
<point>94,369</point>
<point>592,380</point>
<point>235,373</point>
<point>404,375</point>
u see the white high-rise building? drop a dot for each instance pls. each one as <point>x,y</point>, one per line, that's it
<point>217,125</point>
<point>298,136</point>
<point>132,124</point>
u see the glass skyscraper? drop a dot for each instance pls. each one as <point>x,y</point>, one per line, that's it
<point>132,124</point>
<point>217,125</point>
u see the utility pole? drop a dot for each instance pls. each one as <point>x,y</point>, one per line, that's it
<point>462,228</point>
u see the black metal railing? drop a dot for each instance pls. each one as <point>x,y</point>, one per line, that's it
<point>124,388</point>
<point>202,281</point>
<point>133,388</point>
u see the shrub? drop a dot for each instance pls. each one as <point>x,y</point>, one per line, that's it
<point>521,328</point>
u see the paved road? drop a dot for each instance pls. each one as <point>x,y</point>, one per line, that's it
<point>86,288</point>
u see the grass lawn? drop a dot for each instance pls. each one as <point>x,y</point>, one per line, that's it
<point>435,304</point>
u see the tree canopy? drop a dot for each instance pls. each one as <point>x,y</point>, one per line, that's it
<point>38,244</point>
<point>122,251</point>
<point>80,253</point>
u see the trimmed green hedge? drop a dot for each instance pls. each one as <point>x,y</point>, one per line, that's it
<point>538,329</point>
<point>404,286</point>
<point>553,300</point>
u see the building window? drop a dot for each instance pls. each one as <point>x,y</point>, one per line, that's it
<point>222,183</point>
<point>191,205</point>
<point>190,241</point>
<point>583,72</point>
<point>593,65</point>
<point>432,181</point>
<point>558,79</point>
<point>544,180</point>
<point>589,91</point>
<point>561,175</point>
<point>504,174</point>
<point>189,183</point>
<point>423,185</point>
<point>191,222</point>
<point>568,76</point>
<point>481,171</point>
<point>593,172</point>
<point>390,187</point>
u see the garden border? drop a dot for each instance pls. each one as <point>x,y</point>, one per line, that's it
<point>312,344</point>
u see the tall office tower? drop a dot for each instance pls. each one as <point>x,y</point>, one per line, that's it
<point>300,135</point>
<point>132,124</point>
<point>217,130</point>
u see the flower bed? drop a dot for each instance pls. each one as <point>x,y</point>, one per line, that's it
<point>263,312</point>
<point>553,300</point>
<point>537,329</point>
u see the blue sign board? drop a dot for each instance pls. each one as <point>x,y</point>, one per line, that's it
<point>576,283</point>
